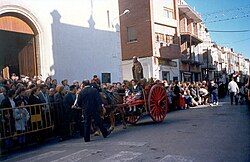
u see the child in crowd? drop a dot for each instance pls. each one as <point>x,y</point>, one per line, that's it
<point>214,93</point>
<point>21,116</point>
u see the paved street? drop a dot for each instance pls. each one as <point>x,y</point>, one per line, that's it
<point>220,133</point>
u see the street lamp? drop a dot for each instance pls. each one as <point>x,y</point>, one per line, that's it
<point>115,56</point>
<point>124,13</point>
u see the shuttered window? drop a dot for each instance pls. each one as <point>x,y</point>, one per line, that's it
<point>132,34</point>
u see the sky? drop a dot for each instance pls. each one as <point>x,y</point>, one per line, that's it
<point>214,13</point>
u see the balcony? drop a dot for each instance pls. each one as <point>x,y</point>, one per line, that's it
<point>190,38</point>
<point>221,60</point>
<point>172,51</point>
<point>189,12</point>
<point>198,63</point>
<point>185,58</point>
<point>188,60</point>
<point>166,62</point>
<point>210,66</point>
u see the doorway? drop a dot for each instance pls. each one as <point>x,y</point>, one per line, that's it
<point>166,75</point>
<point>18,46</point>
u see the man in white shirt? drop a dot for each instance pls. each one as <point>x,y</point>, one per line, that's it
<point>233,90</point>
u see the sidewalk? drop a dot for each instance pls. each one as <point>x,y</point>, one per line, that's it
<point>223,101</point>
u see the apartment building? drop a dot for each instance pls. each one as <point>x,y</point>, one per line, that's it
<point>189,22</point>
<point>241,62</point>
<point>246,67</point>
<point>206,54</point>
<point>151,32</point>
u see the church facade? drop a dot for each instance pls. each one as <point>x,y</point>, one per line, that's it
<point>63,39</point>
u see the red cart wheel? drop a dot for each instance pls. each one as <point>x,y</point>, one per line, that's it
<point>158,103</point>
<point>133,119</point>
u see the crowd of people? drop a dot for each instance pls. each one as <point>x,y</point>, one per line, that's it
<point>185,95</point>
<point>17,92</point>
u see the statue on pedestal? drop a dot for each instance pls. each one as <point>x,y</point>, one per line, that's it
<point>137,69</point>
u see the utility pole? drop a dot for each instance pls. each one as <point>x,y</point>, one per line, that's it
<point>190,58</point>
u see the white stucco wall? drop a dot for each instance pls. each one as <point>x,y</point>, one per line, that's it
<point>173,71</point>
<point>247,68</point>
<point>69,46</point>
<point>159,14</point>
<point>169,28</point>
<point>147,64</point>
<point>150,69</point>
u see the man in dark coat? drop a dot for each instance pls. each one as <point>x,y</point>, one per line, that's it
<point>90,100</point>
<point>7,113</point>
<point>8,101</point>
<point>42,94</point>
<point>68,102</point>
<point>137,69</point>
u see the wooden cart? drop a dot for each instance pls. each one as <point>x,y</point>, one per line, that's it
<point>154,103</point>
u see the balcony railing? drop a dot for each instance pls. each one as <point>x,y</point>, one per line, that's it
<point>188,36</point>
<point>209,66</point>
<point>171,51</point>
<point>221,60</point>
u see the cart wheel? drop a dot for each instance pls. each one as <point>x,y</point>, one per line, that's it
<point>133,119</point>
<point>157,103</point>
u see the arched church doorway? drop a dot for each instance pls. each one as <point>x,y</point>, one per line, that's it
<point>18,45</point>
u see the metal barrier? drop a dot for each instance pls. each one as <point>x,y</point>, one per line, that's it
<point>26,120</point>
<point>36,122</point>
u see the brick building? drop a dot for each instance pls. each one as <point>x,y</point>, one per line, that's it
<point>151,32</point>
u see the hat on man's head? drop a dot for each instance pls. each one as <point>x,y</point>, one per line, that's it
<point>85,82</point>
<point>72,87</point>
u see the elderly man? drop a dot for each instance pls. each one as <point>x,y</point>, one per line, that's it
<point>68,102</point>
<point>137,69</point>
<point>233,90</point>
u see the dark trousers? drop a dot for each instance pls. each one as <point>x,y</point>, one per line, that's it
<point>221,91</point>
<point>234,96</point>
<point>87,124</point>
<point>214,97</point>
<point>248,104</point>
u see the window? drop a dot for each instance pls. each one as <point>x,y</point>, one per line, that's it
<point>159,37</point>
<point>166,75</point>
<point>168,13</point>
<point>106,78</point>
<point>108,18</point>
<point>170,39</point>
<point>132,36</point>
<point>164,38</point>
<point>175,78</point>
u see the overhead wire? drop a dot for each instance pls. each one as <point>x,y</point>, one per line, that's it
<point>230,31</point>
<point>227,14</point>
<point>226,10</point>
<point>227,19</point>
<point>237,41</point>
